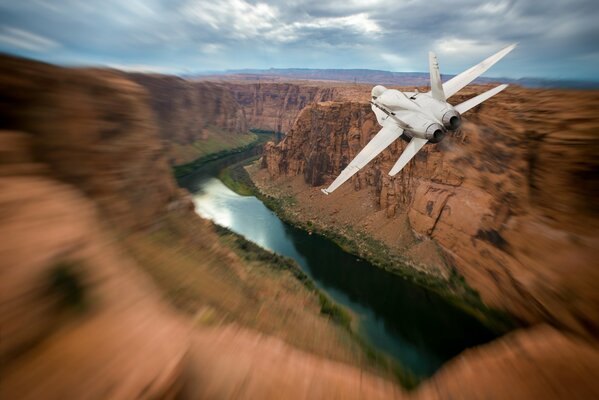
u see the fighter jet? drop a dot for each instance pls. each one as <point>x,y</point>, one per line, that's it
<point>418,118</point>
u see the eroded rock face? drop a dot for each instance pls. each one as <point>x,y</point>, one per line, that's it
<point>82,320</point>
<point>76,312</point>
<point>526,364</point>
<point>94,129</point>
<point>185,111</point>
<point>509,198</point>
<point>77,315</point>
<point>275,106</point>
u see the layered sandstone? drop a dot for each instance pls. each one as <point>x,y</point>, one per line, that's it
<point>77,315</point>
<point>536,363</point>
<point>82,164</point>
<point>93,129</point>
<point>187,112</point>
<point>509,199</point>
<point>83,160</point>
<point>275,106</point>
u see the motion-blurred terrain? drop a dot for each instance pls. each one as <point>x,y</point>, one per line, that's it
<point>112,287</point>
<point>509,200</point>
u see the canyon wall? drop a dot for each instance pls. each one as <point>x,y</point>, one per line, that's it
<point>187,112</point>
<point>83,176</point>
<point>93,129</point>
<point>190,111</point>
<point>510,199</point>
<point>275,106</point>
<point>81,162</point>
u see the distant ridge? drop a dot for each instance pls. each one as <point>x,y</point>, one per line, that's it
<point>392,78</point>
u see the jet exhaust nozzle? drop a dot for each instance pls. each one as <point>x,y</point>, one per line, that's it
<point>434,133</point>
<point>451,120</point>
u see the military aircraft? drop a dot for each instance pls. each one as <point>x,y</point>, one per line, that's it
<point>418,118</point>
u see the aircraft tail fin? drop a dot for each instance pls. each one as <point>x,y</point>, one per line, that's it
<point>436,83</point>
<point>456,83</point>
<point>473,102</point>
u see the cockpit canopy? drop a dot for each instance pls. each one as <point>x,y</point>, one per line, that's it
<point>377,91</point>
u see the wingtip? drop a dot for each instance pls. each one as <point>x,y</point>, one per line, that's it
<point>502,87</point>
<point>324,191</point>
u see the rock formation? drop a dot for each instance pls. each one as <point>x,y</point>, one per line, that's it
<point>83,164</point>
<point>187,112</point>
<point>77,315</point>
<point>509,199</point>
<point>275,106</point>
<point>93,128</point>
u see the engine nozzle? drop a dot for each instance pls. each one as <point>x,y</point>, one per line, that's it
<point>434,133</point>
<point>451,120</point>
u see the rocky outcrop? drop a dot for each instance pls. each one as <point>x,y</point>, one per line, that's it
<point>509,199</point>
<point>82,156</point>
<point>77,315</point>
<point>536,363</point>
<point>93,129</point>
<point>81,166</point>
<point>187,112</point>
<point>190,111</point>
<point>275,106</point>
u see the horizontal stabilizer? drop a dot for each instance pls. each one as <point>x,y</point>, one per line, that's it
<point>379,142</point>
<point>473,102</point>
<point>456,83</point>
<point>411,149</point>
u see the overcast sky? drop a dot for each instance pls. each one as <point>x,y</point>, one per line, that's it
<point>558,38</point>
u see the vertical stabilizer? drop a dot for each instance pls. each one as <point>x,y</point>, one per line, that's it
<point>436,84</point>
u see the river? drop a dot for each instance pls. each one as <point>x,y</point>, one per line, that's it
<point>405,321</point>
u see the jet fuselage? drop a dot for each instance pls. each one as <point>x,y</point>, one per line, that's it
<point>425,117</point>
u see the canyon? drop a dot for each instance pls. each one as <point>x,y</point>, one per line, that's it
<point>113,287</point>
<point>507,200</point>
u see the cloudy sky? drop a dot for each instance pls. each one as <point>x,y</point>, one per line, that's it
<point>558,38</point>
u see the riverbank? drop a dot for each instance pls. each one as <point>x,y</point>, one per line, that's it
<point>251,252</point>
<point>247,180</point>
<point>333,336</point>
<point>220,150</point>
<point>218,278</point>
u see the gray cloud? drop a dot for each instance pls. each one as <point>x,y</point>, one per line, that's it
<point>557,38</point>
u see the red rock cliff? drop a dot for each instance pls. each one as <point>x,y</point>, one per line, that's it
<point>95,130</point>
<point>187,111</point>
<point>275,106</point>
<point>510,199</point>
<point>79,318</point>
<point>77,315</point>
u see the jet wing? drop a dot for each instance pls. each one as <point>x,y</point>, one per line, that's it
<point>411,149</point>
<point>473,102</point>
<point>379,142</point>
<point>456,83</point>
